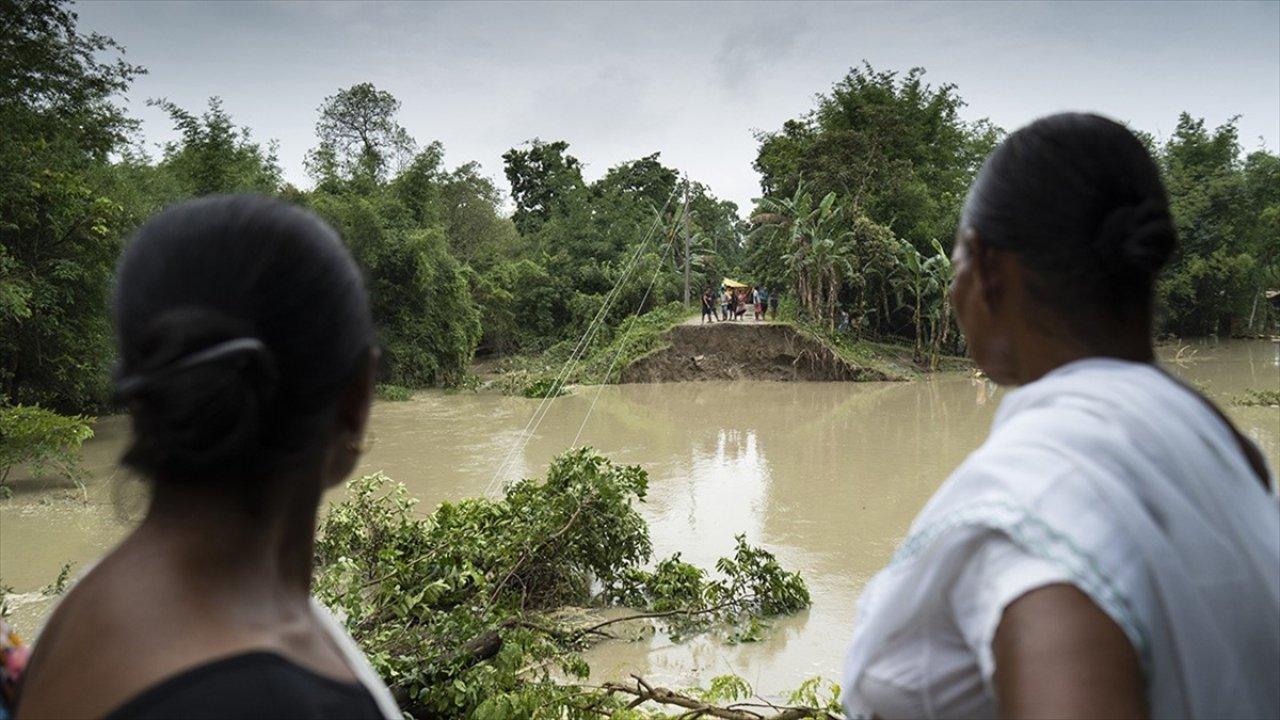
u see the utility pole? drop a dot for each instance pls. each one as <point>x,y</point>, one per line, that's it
<point>685,216</point>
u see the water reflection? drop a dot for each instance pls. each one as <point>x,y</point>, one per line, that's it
<point>827,475</point>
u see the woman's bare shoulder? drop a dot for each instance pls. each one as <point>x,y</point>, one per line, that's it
<point>114,634</point>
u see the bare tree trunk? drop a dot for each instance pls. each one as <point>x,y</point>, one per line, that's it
<point>916,321</point>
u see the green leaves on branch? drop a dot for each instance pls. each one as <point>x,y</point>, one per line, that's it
<point>360,139</point>
<point>46,442</point>
<point>464,612</point>
<point>753,585</point>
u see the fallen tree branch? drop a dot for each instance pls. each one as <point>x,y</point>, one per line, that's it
<point>643,692</point>
<point>497,590</point>
<point>668,613</point>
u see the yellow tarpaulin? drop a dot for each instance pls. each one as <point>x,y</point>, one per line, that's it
<point>735,284</point>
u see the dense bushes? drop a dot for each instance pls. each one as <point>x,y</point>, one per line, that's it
<point>1227,211</point>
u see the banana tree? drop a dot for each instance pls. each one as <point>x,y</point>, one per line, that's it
<point>927,278</point>
<point>815,248</point>
<point>939,269</point>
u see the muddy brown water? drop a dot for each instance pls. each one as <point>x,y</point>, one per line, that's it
<point>826,475</point>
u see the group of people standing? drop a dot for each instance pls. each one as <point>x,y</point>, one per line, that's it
<point>731,303</point>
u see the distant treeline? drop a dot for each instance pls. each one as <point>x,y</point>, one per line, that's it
<point>860,199</point>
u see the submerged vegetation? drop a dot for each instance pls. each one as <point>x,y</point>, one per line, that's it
<point>483,608</point>
<point>393,393</point>
<point>1258,398</point>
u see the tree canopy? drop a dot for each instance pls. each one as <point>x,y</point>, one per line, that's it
<point>860,200</point>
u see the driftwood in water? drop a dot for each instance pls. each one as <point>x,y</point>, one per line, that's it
<point>643,692</point>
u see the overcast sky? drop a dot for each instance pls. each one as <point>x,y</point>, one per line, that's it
<point>689,80</point>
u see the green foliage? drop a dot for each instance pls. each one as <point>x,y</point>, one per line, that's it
<point>462,611</point>
<point>726,688</point>
<point>824,252</point>
<point>48,443</point>
<point>214,156</point>
<point>891,161</point>
<point>1258,398</point>
<point>542,388</point>
<point>899,159</point>
<point>586,240</point>
<point>817,692</point>
<point>891,144</point>
<point>60,583</point>
<point>447,272</point>
<point>753,585</point>
<point>360,140</point>
<point>545,180</point>
<point>420,297</point>
<point>603,358</point>
<point>635,337</point>
<point>59,231</point>
<point>393,393</point>
<point>1227,212</point>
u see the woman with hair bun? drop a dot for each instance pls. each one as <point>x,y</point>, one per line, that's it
<point>247,359</point>
<point>1113,548</point>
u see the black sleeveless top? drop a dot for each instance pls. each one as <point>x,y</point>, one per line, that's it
<point>251,685</point>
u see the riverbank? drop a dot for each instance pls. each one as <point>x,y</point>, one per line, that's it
<point>827,476</point>
<point>669,345</point>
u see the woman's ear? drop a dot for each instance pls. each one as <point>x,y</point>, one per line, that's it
<point>991,267</point>
<point>353,410</point>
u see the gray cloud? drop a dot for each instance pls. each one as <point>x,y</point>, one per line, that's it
<point>690,80</point>
<point>748,48</point>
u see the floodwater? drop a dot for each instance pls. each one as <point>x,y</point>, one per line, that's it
<point>826,475</point>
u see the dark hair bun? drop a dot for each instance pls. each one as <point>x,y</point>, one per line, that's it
<point>1137,238</point>
<point>241,320</point>
<point>1079,199</point>
<point>194,409</point>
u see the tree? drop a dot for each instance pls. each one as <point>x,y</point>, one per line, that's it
<point>473,218</point>
<point>359,137</point>
<point>214,156</point>
<point>892,146</point>
<point>59,230</point>
<point>419,296</point>
<point>1225,212</point>
<point>646,179</point>
<point>417,187</point>
<point>1262,228</point>
<point>927,277</point>
<point>815,248</point>
<point>545,180</point>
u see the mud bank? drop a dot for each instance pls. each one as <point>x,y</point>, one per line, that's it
<point>749,351</point>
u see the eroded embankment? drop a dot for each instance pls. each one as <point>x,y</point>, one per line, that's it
<point>747,351</point>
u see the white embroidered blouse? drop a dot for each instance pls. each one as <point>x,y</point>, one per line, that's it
<point>1110,476</point>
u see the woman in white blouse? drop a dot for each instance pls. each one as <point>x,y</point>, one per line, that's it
<point>1113,548</point>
